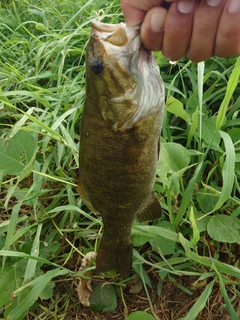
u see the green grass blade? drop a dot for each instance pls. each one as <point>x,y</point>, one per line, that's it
<point>200,96</point>
<point>200,303</point>
<point>31,265</point>
<point>157,231</point>
<point>187,196</point>
<point>231,86</point>
<point>22,255</point>
<point>8,278</point>
<point>208,261</point>
<point>11,228</point>
<point>22,94</point>
<point>228,170</point>
<point>196,234</point>
<point>75,208</point>
<point>232,313</point>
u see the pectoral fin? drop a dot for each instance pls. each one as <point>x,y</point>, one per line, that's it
<point>151,211</point>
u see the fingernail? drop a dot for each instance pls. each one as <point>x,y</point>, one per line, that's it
<point>214,3</point>
<point>157,23</point>
<point>234,6</point>
<point>186,6</point>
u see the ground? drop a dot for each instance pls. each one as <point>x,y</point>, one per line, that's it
<point>177,296</point>
<point>173,304</point>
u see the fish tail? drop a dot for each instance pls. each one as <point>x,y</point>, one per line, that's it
<point>114,255</point>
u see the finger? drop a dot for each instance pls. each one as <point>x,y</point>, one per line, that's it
<point>177,29</point>
<point>153,28</point>
<point>134,10</point>
<point>205,26</point>
<point>228,35</point>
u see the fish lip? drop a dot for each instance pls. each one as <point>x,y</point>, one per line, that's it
<point>108,27</point>
<point>105,27</point>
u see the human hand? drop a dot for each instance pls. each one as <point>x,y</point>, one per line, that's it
<point>198,29</point>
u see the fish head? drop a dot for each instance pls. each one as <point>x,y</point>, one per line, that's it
<point>122,75</point>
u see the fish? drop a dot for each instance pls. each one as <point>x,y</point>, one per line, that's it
<point>120,130</point>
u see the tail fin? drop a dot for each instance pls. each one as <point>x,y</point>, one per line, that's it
<point>114,255</point>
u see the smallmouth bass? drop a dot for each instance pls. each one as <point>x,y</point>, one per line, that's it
<point>119,141</point>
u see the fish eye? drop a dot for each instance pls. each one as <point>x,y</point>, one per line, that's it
<point>97,66</point>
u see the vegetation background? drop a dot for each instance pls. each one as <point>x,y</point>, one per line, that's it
<point>186,264</point>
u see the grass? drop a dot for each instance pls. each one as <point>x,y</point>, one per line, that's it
<point>45,229</point>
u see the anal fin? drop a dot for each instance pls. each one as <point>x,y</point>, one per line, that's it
<point>84,196</point>
<point>151,211</point>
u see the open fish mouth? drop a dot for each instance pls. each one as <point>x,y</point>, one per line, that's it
<point>116,38</point>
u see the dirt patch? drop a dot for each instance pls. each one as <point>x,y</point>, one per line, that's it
<point>173,303</point>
